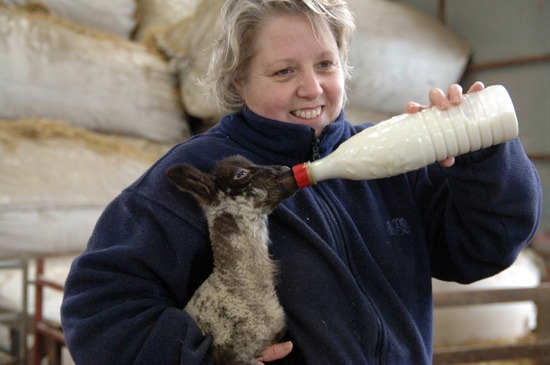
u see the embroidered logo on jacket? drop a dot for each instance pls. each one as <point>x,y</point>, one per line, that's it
<point>398,227</point>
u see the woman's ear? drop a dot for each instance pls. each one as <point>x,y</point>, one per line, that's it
<point>238,85</point>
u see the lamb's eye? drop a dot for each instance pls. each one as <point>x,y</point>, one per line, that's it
<point>241,174</point>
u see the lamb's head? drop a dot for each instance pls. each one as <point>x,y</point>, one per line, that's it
<point>236,179</point>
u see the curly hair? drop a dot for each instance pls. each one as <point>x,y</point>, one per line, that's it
<point>238,26</point>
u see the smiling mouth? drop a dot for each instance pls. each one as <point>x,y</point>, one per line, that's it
<point>307,114</point>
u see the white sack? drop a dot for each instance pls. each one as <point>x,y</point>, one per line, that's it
<point>55,180</point>
<point>36,230</point>
<point>157,14</point>
<point>398,55</point>
<point>502,322</point>
<point>117,17</point>
<point>54,70</point>
<point>187,44</point>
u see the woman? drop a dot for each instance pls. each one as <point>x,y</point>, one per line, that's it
<point>356,258</point>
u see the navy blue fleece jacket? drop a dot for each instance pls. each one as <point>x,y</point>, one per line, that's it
<point>356,258</point>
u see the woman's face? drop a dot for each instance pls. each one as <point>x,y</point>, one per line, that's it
<point>295,75</point>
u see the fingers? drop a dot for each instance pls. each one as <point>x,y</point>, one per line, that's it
<point>413,107</point>
<point>455,94</point>
<point>276,351</point>
<point>441,101</point>
<point>448,162</point>
<point>476,86</point>
<point>437,98</point>
<point>444,101</point>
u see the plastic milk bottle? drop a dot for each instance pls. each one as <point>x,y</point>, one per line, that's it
<point>410,141</point>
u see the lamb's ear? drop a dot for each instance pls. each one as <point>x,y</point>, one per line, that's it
<point>192,180</point>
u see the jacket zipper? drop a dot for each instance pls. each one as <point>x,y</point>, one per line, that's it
<point>380,340</point>
<point>340,246</point>
<point>341,250</point>
<point>315,148</point>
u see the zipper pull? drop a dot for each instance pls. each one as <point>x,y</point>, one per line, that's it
<point>315,149</point>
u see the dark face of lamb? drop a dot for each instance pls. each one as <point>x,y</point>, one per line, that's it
<point>236,178</point>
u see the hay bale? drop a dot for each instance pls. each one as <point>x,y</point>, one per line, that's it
<point>117,17</point>
<point>55,180</point>
<point>50,68</point>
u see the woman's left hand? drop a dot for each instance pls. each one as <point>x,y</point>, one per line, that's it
<point>276,352</point>
<point>444,101</point>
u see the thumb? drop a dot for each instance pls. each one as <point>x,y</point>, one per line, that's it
<point>276,351</point>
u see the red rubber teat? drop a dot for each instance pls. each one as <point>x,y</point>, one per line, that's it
<point>301,176</point>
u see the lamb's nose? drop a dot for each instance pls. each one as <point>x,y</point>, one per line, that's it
<point>284,170</point>
<point>280,168</point>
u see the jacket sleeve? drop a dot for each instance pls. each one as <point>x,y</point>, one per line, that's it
<point>480,213</point>
<point>124,295</point>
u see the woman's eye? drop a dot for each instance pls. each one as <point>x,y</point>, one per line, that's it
<point>241,173</point>
<point>326,64</point>
<point>283,72</point>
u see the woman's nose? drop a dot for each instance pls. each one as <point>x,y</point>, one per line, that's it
<point>310,85</point>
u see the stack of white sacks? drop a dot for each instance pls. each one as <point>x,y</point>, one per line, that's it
<point>85,111</point>
<point>92,92</point>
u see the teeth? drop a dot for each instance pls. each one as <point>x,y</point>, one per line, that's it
<point>308,114</point>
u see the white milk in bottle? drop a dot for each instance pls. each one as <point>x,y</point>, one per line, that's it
<point>410,141</point>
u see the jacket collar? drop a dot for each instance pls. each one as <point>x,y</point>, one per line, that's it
<point>282,143</point>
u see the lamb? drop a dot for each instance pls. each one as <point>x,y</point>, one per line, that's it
<point>237,304</point>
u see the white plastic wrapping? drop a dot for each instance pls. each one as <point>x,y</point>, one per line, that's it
<point>117,17</point>
<point>153,15</point>
<point>187,44</point>
<point>55,180</point>
<point>55,70</point>
<point>399,54</point>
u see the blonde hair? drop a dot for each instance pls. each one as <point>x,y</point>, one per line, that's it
<point>238,26</point>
